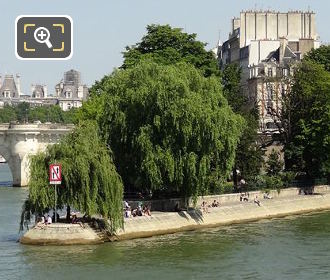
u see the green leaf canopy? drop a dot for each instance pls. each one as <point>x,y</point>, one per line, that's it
<point>90,182</point>
<point>170,129</point>
<point>167,45</point>
<point>309,146</point>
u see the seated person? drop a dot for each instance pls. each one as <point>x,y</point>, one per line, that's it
<point>74,219</point>
<point>134,212</point>
<point>128,212</point>
<point>215,203</point>
<point>146,210</point>
<point>256,201</point>
<point>139,210</point>
<point>205,207</point>
<point>49,220</point>
<point>267,196</point>
<point>243,197</point>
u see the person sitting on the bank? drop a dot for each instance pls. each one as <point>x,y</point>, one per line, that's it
<point>244,197</point>
<point>126,205</point>
<point>42,219</point>
<point>205,207</point>
<point>128,212</point>
<point>215,203</point>
<point>49,220</point>
<point>74,219</point>
<point>257,201</point>
<point>139,210</point>
<point>146,210</point>
<point>267,196</point>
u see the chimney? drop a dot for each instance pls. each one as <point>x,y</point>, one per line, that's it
<point>18,84</point>
<point>45,91</point>
<point>32,89</point>
<point>283,45</point>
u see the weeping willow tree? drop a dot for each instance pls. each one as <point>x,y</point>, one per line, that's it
<point>90,182</point>
<point>170,129</point>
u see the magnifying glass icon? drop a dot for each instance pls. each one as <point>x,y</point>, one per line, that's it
<point>41,35</point>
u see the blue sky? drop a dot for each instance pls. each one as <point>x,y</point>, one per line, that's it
<point>102,29</point>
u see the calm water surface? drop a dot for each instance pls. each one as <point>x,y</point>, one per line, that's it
<point>5,175</point>
<point>291,248</point>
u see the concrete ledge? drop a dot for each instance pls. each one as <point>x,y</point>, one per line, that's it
<point>166,223</point>
<point>284,204</point>
<point>60,234</point>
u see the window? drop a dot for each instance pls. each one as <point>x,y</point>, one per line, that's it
<point>270,72</point>
<point>270,92</point>
<point>285,72</point>
<point>7,93</point>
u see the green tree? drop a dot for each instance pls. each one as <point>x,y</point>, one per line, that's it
<point>170,129</point>
<point>308,147</point>
<point>249,154</point>
<point>320,55</point>
<point>22,112</point>
<point>166,45</point>
<point>274,164</point>
<point>231,82</point>
<point>7,114</point>
<point>90,182</point>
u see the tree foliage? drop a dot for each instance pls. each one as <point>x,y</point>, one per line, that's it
<point>320,55</point>
<point>170,128</point>
<point>90,182</point>
<point>166,45</point>
<point>231,82</point>
<point>274,163</point>
<point>7,114</point>
<point>23,113</point>
<point>308,148</point>
<point>249,155</point>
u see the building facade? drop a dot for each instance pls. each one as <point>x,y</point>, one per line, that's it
<point>69,93</point>
<point>267,45</point>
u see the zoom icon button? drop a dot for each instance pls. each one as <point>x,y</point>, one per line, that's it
<point>44,37</point>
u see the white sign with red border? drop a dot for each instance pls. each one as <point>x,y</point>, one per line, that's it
<point>55,174</point>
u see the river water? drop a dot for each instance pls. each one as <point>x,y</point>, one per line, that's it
<point>5,175</point>
<point>291,248</point>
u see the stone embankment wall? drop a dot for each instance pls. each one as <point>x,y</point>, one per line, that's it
<point>169,204</point>
<point>61,234</point>
<point>238,212</point>
<point>231,211</point>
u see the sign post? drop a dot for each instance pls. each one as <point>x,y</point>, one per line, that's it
<point>55,178</point>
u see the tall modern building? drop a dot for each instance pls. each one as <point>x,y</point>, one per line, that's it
<point>267,45</point>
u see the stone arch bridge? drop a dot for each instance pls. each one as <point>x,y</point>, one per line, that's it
<point>19,141</point>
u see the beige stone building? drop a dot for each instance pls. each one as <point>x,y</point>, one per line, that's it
<point>267,45</point>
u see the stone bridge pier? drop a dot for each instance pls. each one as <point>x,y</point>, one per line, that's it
<point>19,141</point>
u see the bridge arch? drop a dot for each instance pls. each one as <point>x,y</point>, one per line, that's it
<point>19,142</point>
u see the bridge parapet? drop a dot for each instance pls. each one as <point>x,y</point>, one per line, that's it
<point>19,141</point>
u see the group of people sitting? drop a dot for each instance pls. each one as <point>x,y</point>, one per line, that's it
<point>46,220</point>
<point>140,210</point>
<point>245,197</point>
<point>205,206</point>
